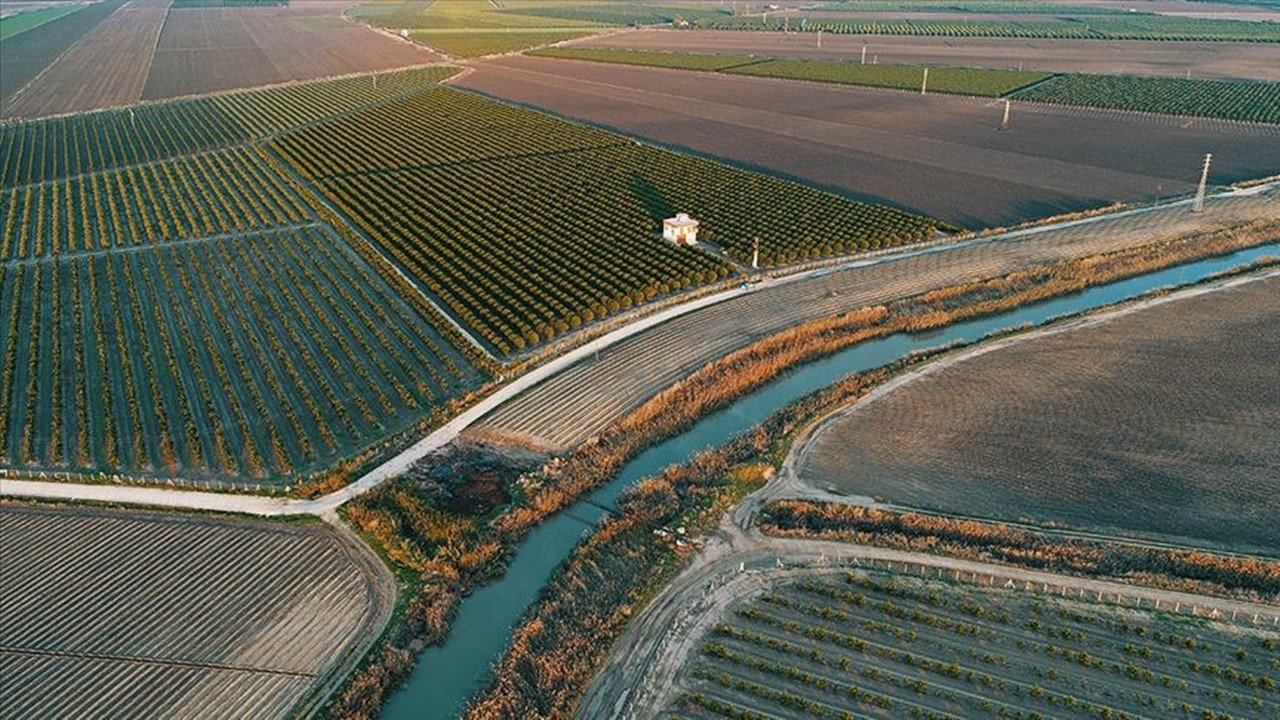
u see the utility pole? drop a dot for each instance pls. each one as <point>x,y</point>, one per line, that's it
<point>924,84</point>
<point>755,254</point>
<point>819,38</point>
<point>1004,121</point>
<point>864,55</point>
<point>1204,180</point>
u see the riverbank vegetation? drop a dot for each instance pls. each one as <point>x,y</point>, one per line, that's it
<point>544,674</point>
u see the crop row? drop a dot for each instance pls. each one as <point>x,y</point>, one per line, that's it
<point>250,356</point>
<point>432,128</point>
<point>541,225</point>
<point>1148,27</point>
<point>870,647</point>
<point>52,148</point>
<point>1232,100</point>
<point>205,194</point>
<point>91,593</point>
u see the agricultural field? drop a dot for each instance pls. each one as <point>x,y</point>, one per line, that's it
<point>107,67</point>
<point>473,28</point>
<point>964,81</point>
<point>118,53</point>
<point>872,645</point>
<point>26,19</point>
<point>939,155</point>
<point>207,50</point>
<point>25,55</point>
<point>564,220</point>
<point>621,13</point>
<point>248,356</point>
<point>1171,409</point>
<point>467,43</point>
<point>673,60</point>
<point>114,613</point>
<point>562,411</point>
<point>1251,61</point>
<point>1248,101</point>
<point>1134,27</point>
<point>214,193</point>
<point>52,148</point>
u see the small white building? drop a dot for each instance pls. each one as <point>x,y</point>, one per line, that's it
<point>681,229</point>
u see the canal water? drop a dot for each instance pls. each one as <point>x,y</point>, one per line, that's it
<point>448,676</point>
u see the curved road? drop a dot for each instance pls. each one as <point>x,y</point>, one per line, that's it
<point>578,394</point>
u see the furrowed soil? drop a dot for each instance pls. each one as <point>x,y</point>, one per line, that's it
<point>25,56</point>
<point>1164,423</point>
<point>211,49</point>
<point>940,155</point>
<point>1259,61</point>
<point>114,613</point>
<point>108,67</point>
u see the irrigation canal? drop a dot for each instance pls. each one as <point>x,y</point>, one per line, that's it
<point>447,676</point>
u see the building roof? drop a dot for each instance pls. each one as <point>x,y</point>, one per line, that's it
<point>680,220</point>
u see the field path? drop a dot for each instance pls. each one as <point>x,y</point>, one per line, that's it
<point>583,387</point>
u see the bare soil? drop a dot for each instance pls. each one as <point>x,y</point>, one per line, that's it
<point>211,49</point>
<point>1163,423</point>
<point>108,67</point>
<point>1259,61</point>
<point>115,613</point>
<point>940,155</point>
<point>24,56</point>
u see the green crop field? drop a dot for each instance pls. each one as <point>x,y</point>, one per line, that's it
<point>175,306</point>
<point>656,58</point>
<point>11,25</point>
<point>620,13</point>
<point>965,81</point>
<point>471,28</point>
<point>1232,100</point>
<point>475,43</point>
<point>230,191</point>
<point>247,356</point>
<point>1135,27</point>
<point>527,226</point>
<point>875,646</point>
<point>52,148</point>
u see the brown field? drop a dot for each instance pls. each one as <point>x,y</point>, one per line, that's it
<point>1161,423</point>
<point>145,50</point>
<point>26,55</point>
<point>107,67</point>
<point>205,50</point>
<point>584,399</point>
<point>114,613</point>
<point>1204,59</point>
<point>939,155</point>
